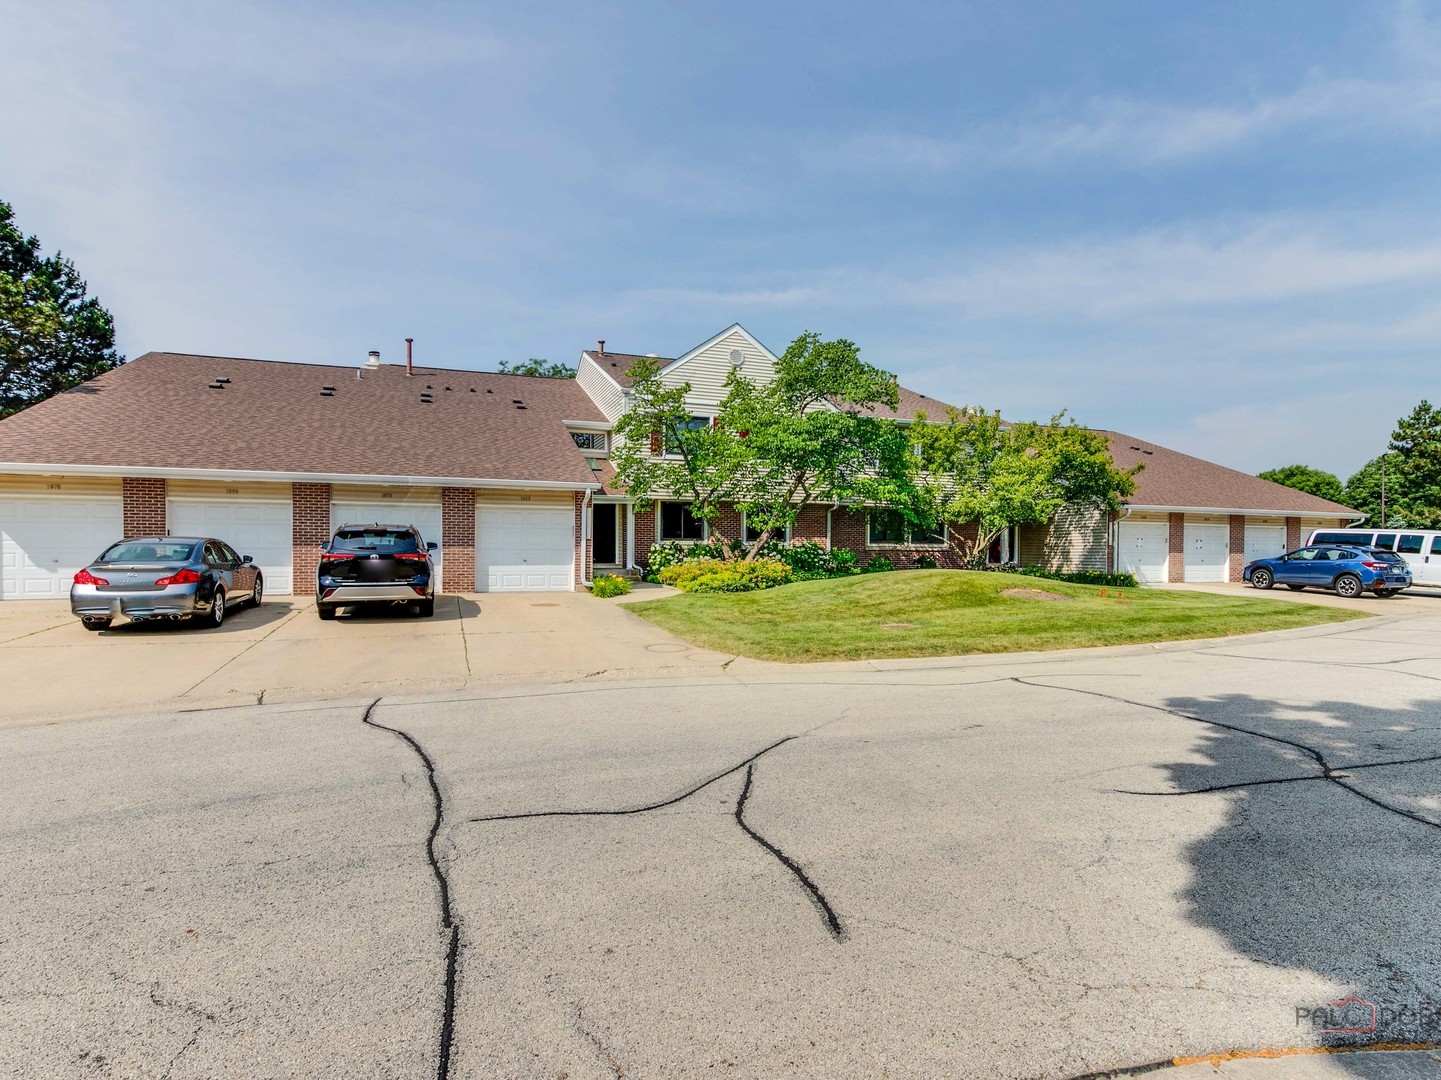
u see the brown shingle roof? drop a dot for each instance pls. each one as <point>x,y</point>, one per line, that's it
<point>1174,479</point>
<point>616,364</point>
<point>158,412</point>
<point>909,405</point>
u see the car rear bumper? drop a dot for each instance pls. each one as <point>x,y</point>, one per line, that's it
<point>173,602</point>
<point>360,593</point>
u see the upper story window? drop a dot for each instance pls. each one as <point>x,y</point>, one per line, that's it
<point>673,433</point>
<point>594,441</point>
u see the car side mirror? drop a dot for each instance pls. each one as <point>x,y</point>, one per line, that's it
<point>246,560</point>
<point>432,546</point>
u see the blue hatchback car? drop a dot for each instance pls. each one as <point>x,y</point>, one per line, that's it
<point>1347,570</point>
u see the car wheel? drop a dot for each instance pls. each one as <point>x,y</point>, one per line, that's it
<point>259,592</point>
<point>426,608</point>
<point>325,611</point>
<point>1261,579</point>
<point>217,609</point>
<point>95,624</point>
<point>1349,586</point>
<point>1295,588</point>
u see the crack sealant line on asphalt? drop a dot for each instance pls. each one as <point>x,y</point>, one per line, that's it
<point>464,640</point>
<point>448,921</point>
<point>1328,772</point>
<point>263,637</point>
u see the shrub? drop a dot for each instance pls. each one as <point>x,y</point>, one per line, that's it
<point>1076,577</point>
<point>806,559</point>
<point>842,562</point>
<point>925,562</point>
<point>609,585</point>
<point>878,565</point>
<point>716,575</point>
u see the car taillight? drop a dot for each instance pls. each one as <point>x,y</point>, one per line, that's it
<point>180,577</point>
<point>85,577</point>
<point>411,556</point>
<point>331,556</point>
<point>1374,565</point>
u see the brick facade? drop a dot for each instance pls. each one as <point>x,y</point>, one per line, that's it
<point>645,530</point>
<point>143,506</point>
<point>582,542</point>
<point>309,532</point>
<point>457,540</point>
<point>1176,557</point>
<point>1293,533</point>
<point>1237,548</point>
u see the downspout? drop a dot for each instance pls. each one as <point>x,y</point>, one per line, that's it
<point>829,510</point>
<point>630,535</point>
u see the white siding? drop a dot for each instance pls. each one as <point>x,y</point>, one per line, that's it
<point>601,388</point>
<point>706,369</point>
<point>1076,539</point>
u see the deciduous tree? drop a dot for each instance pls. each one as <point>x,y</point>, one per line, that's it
<point>974,467</point>
<point>1316,482</point>
<point>52,336</point>
<point>545,369</point>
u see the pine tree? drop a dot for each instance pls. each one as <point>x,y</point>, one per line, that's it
<point>1417,443</point>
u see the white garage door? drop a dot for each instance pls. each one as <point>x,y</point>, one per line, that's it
<point>258,529</point>
<point>1207,551</point>
<point>424,516</point>
<point>1143,550</point>
<point>531,550</point>
<point>1265,541</point>
<point>44,542</point>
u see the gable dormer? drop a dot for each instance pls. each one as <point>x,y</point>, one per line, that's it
<point>707,365</point>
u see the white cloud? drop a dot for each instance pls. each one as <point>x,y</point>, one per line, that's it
<point>1142,133</point>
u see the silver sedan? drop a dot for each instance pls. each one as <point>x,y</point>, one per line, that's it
<point>165,577</point>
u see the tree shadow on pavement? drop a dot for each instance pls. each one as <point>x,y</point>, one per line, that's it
<point>1328,856</point>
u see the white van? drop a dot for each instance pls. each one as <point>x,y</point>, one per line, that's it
<point>1420,548</point>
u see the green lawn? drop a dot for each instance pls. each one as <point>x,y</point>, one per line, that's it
<point>951,612</point>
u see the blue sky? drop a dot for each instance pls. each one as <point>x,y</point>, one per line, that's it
<point>1210,225</point>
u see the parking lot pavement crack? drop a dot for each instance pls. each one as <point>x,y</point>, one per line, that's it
<point>263,637</point>
<point>832,922</point>
<point>1327,772</point>
<point>449,924</point>
<point>1384,665</point>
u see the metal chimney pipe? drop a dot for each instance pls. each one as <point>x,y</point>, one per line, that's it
<point>601,343</point>
<point>409,347</point>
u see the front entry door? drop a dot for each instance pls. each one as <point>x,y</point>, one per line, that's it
<point>604,534</point>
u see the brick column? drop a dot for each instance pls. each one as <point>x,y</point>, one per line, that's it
<point>1293,533</point>
<point>309,532</point>
<point>582,542</point>
<point>1176,557</point>
<point>457,540</point>
<point>645,530</point>
<point>1237,549</point>
<point>143,506</point>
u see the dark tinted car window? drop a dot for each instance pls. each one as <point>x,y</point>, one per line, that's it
<point>1436,546</point>
<point>1338,554</point>
<point>380,541</point>
<point>1386,541</point>
<point>229,553</point>
<point>1341,538</point>
<point>142,551</point>
<point>1410,544</point>
<point>1386,557</point>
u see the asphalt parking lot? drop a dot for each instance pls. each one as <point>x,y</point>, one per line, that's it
<point>1002,867</point>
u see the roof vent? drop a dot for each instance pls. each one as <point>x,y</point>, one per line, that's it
<point>516,401</point>
<point>601,343</point>
<point>216,385</point>
<point>372,360</point>
<point>521,407</point>
<point>327,392</point>
<point>327,386</point>
<point>222,378</point>
<point>489,391</point>
<point>737,358</point>
<point>472,389</point>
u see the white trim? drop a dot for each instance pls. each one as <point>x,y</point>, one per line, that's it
<point>589,425</point>
<point>585,355</point>
<point>704,345</point>
<point>1243,512</point>
<point>32,469</point>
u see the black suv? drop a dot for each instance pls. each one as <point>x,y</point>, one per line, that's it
<point>375,564</point>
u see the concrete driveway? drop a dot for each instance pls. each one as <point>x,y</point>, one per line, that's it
<point>53,667</point>
<point>1046,866</point>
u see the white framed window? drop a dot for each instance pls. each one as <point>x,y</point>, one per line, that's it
<point>750,535</point>
<point>889,528</point>
<point>592,441</point>
<point>671,442</point>
<point>674,521</point>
